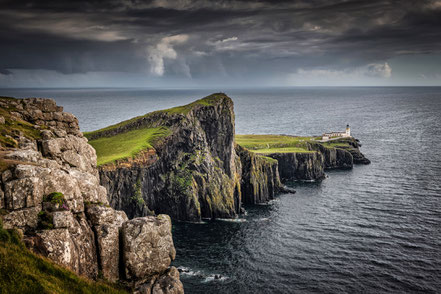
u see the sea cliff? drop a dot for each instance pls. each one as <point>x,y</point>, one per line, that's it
<point>305,158</point>
<point>193,171</point>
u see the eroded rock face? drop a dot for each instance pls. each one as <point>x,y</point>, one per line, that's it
<point>260,177</point>
<point>168,283</point>
<point>77,229</point>
<point>107,223</point>
<point>147,246</point>
<point>300,166</point>
<point>196,172</point>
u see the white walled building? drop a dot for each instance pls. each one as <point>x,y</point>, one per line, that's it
<point>347,133</point>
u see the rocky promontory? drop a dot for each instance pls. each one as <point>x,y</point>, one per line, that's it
<point>192,169</point>
<point>305,158</point>
<point>50,192</point>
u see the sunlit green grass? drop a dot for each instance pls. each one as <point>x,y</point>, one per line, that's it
<point>267,144</point>
<point>128,144</point>
<point>22,271</point>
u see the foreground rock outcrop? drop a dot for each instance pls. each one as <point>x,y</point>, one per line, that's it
<point>50,191</point>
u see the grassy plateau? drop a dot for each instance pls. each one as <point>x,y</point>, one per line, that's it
<point>266,144</point>
<point>125,145</point>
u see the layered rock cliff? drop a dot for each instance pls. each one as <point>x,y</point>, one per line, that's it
<point>50,191</point>
<point>260,179</point>
<point>192,173</point>
<point>300,166</point>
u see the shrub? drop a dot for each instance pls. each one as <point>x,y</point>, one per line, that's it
<point>57,198</point>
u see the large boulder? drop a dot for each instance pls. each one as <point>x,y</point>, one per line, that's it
<point>147,246</point>
<point>107,223</point>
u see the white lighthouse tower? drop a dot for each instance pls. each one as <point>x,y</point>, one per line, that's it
<point>348,131</point>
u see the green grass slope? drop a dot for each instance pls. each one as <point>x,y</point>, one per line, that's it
<point>266,144</point>
<point>125,145</point>
<point>22,271</point>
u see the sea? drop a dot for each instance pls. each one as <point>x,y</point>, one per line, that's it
<point>373,229</point>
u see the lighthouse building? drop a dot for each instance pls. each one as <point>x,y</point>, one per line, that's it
<point>332,135</point>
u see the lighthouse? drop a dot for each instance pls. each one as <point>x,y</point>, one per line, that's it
<point>348,131</point>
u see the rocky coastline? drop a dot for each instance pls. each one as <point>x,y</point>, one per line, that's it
<point>114,220</point>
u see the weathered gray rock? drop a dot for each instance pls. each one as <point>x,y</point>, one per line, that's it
<point>108,250</point>
<point>168,283</point>
<point>73,247</point>
<point>147,246</point>
<point>24,192</point>
<point>25,219</point>
<point>63,219</point>
<point>107,222</point>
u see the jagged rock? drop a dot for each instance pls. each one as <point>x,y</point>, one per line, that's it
<point>260,177</point>
<point>25,219</point>
<point>56,245</point>
<point>168,283</point>
<point>2,120</point>
<point>62,219</point>
<point>147,246</point>
<point>107,222</point>
<point>24,192</point>
<point>146,288</point>
<point>334,158</point>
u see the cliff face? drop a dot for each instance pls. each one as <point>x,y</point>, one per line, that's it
<point>300,166</point>
<point>334,158</point>
<point>195,172</point>
<point>311,166</point>
<point>342,156</point>
<point>49,189</point>
<point>260,177</point>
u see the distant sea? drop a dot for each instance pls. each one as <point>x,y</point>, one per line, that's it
<point>372,229</point>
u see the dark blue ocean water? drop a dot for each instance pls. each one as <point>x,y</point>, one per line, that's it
<point>373,229</point>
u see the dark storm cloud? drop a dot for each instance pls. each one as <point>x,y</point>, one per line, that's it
<point>198,38</point>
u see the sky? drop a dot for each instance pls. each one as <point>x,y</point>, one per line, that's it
<point>201,43</point>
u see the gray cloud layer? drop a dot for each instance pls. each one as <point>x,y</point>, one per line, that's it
<point>203,39</point>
